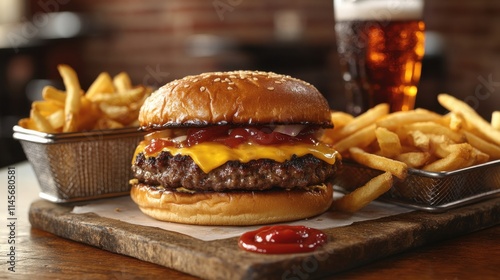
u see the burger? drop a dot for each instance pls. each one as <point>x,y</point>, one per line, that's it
<point>234,148</point>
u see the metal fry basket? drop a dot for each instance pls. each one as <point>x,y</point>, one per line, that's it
<point>429,191</point>
<point>81,165</point>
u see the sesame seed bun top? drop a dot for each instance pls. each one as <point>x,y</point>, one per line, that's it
<point>236,97</point>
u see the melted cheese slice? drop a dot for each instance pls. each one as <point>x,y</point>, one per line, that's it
<point>210,155</point>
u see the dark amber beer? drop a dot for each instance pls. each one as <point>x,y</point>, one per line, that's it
<point>380,46</point>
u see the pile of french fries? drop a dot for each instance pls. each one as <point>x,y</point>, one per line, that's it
<point>420,139</point>
<point>110,102</point>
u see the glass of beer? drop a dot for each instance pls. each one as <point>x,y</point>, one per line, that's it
<point>380,44</point>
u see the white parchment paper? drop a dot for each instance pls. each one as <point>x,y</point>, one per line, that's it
<point>125,210</point>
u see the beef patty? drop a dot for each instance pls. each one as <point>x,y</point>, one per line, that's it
<point>172,172</point>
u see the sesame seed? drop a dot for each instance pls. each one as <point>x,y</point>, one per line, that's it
<point>203,88</point>
<point>255,78</point>
<point>270,88</point>
<point>277,82</point>
<point>217,80</point>
<point>229,88</point>
<point>195,80</point>
<point>186,86</point>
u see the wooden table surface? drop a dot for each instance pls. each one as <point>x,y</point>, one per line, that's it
<point>42,255</point>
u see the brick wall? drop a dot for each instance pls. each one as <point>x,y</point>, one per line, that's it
<point>471,35</point>
<point>152,40</point>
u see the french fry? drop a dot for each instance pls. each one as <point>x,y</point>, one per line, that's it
<point>101,107</point>
<point>105,123</point>
<point>363,120</point>
<point>398,119</point>
<point>495,120</point>
<point>396,168</point>
<point>89,114</point>
<point>112,111</point>
<point>56,119</point>
<point>435,128</point>
<point>365,194</point>
<point>455,105</point>
<point>122,114</point>
<point>50,93</point>
<point>41,123</point>
<point>47,107</point>
<point>103,83</point>
<point>121,98</point>
<point>486,147</point>
<point>27,123</point>
<point>361,138</point>
<point>136,106</point>
<point>478,157</point>
<point>414,159</point>
<point>122,82</point>
<point>73,91</point>
<point>388,141</point>
<point>419,140</point>
<point>457,159</point>
<point>134,123</point>
<point>456,121</point>
<point>339,120</point>
<point>440,144</point>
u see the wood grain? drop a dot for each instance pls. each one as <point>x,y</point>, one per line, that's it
<point>47,256</point>
<point>50,257</point>
<point>349,247</point>
<point>473,256</point>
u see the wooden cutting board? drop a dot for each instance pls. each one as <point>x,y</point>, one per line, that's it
<point>348,246</point>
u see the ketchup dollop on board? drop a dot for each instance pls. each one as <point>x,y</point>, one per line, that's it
<point>282,239</point>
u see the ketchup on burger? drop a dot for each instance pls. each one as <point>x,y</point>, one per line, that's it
<point>234,148</point>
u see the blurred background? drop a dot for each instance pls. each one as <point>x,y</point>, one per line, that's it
<point>156,41</point>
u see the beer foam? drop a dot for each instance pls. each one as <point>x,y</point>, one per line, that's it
<point>378,10</point>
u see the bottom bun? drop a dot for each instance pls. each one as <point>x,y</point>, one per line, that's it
<point>232,208</point>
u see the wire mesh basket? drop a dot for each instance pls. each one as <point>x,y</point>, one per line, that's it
<point>81,165</point>
<point>430,191</point>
